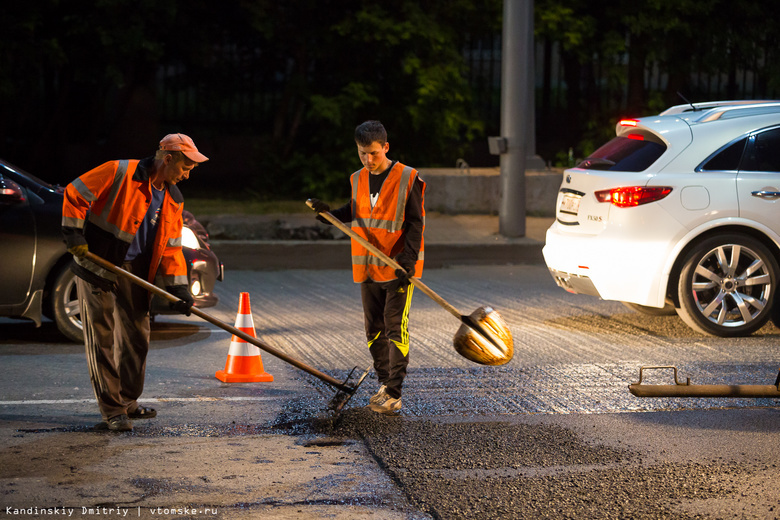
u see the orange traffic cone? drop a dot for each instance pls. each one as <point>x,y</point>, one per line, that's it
<point>244,364</point>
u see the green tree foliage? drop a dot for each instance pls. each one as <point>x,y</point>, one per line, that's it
<point>273,90</point>
<point>348,61</point>
<point>67,67</point>
<point>611,50</point>
<point>290,80</point>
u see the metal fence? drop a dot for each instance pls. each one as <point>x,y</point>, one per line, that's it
<point>749,79</point>
<point>250,103</point>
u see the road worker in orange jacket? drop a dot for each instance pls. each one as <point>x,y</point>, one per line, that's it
<point>386,208</point>
<point>130,213</point>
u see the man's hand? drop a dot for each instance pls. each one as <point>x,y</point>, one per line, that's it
<point>405,274</point>
<point>402,279</point>
<point>79,251</point>
<point>182,292</point>
<point>319,206</point>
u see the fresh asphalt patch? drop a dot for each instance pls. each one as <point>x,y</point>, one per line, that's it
<point>477,443</point>
<point>487,470</point>
<point>465,460</point>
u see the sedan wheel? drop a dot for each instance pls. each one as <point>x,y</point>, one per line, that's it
<point>727,285</point>
<point>65,305</point>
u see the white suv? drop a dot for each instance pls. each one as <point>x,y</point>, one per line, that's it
<point>679,212</point>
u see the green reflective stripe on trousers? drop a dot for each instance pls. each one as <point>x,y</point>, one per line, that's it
<point>375,338</point>
<point>403,345</point>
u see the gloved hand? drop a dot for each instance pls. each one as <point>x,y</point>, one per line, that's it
<point>319,206</point>
<point>182,292</point>
<point>402,281</point>
<point>79,251</point>
<point>405,274</point>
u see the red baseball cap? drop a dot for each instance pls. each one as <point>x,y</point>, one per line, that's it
<point>183,144</point>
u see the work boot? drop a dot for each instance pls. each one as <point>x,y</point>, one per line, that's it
<point>386,405</point>
<point>379,396</point>
<point>120,423</point>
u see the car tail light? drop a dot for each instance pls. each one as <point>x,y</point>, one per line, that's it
<point>628,122</point>
<point>630,196</point>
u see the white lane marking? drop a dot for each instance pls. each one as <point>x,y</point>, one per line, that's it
<point>145,399</point>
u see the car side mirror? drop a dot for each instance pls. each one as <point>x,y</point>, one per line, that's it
<point>10,192</point>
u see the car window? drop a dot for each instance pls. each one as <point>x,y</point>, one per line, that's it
<point>624,154</point>
<point>763,152</point>
<point>726,159</point>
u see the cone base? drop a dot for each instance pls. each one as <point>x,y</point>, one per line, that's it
<point>243,378</point>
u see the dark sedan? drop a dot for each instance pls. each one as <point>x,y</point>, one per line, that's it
<point>36,276</point>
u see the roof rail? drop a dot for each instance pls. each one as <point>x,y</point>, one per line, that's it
<point>708,105</point>
<point>730,112</point>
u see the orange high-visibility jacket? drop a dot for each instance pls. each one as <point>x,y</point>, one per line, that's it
<point>382,226</point>
<point>105,207</point>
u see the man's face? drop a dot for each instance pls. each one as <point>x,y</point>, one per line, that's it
<point>176,171</point>
<point>374,156</point>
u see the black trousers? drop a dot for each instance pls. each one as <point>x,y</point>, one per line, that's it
<point>386,310</point>
<point>116,336</point>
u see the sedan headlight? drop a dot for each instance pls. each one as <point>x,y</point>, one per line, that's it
<point>188,239</point>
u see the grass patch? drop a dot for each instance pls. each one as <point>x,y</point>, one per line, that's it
<point>220,206</point>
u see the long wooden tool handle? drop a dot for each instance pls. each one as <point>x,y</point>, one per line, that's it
<point>389,261</point>
<point>105,264</point>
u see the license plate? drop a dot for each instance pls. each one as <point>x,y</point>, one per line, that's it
<point>570,203</point>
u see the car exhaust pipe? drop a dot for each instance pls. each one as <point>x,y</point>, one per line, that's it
<point>686,389</point>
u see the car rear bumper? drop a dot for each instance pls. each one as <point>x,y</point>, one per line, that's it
<point>609,265</point>
<point>574,283</point>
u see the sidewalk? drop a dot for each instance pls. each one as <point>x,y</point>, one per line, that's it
<point>260,242</point>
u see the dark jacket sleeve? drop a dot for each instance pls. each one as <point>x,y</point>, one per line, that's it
<point>413,227</point>
<point>344,213</point>
<point>73,236</point>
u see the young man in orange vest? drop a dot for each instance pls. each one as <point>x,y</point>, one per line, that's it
<point>130,213</point>
<point>387,208</point>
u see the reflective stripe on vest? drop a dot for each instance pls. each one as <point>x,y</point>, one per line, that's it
<point>101,219</point>
<point>388,225</point>
<point>381,224</point>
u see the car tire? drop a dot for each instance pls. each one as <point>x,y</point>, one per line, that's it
<point>775,314</point>
<point>712,290</point>
<point>667,310</point>
<point>65,305</point>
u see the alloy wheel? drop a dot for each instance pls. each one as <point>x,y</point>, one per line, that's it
<point>727,286</point>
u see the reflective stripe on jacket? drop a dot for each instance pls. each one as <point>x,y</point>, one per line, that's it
<point>105,207</point>
<point>382,226</point>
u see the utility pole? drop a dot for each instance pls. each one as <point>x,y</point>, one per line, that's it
<point>517,73</point>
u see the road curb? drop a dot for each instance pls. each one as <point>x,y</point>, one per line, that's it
<point>272,255</point>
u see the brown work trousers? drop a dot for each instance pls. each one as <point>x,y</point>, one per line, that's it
<point>386,312</point>
<point>116,337</point>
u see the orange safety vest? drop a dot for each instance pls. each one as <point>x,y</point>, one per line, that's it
<point>108,204</point>
<point>382,225</point>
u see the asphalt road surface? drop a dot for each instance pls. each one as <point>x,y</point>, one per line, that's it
<point>552,434</point>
